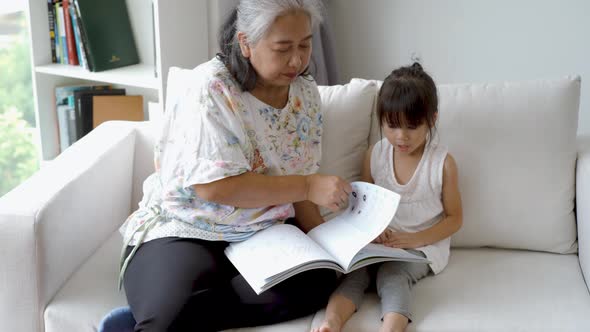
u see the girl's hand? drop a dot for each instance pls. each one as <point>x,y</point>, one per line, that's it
<point>328,191</point>
<point>404,240</point>
<point>383,237</point>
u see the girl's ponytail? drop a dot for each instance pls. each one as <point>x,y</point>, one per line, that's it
<point>417,67</point>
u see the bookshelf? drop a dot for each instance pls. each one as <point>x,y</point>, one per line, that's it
<point>167,33</point>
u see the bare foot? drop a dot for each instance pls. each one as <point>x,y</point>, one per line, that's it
<point>332,324</point>
<point>394,322</point>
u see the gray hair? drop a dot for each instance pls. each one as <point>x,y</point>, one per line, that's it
<point>254,18</point>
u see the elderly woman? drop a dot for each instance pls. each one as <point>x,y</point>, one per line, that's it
<point>238,153</point>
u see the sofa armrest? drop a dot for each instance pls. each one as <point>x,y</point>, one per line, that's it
<point>583,205</point>
<point>51,223</point>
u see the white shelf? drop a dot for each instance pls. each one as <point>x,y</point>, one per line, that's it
<point>139,75</point>
<point>172,34</point>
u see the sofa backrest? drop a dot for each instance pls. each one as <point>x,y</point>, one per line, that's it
<point>515,147</point>
<point>514,144</point>
<point>348,116</point>
<point>143,160</point>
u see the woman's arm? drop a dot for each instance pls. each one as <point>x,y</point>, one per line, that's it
<point>307,215</point>
<point>252,190</point>
<point>449,225</point>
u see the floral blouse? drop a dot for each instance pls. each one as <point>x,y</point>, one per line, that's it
<point>213,130</point>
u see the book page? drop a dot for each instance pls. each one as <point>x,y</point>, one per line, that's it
<point>273,251</point>
<point>369,212</point>
<point>374,253</point>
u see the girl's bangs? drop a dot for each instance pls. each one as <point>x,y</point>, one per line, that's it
<point>405,110</point>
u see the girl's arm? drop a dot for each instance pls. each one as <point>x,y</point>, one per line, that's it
<point>453,212</point>
<point>252,190</point>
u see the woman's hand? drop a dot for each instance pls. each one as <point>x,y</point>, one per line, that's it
<point>328,191</point>
<point>403,240</point>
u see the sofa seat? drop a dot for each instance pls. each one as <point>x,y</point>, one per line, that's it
<point>91,293</point>
<point>480,290</point>
<point>493,290</point>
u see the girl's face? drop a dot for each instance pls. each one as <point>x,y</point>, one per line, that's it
<point>407,140</point>
<point>283,53</point>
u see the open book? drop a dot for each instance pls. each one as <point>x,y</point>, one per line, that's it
<point>343,243</point>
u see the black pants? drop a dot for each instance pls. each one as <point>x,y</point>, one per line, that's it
<point>179,284</point>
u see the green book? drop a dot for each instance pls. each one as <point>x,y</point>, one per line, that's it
<point>107,32</point>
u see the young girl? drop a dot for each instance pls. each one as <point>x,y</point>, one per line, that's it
<point>410,162</point>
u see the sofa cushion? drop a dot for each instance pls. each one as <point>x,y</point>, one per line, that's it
<point>347,122</point>
<point>515,147</point>
<point>480,290</point>
<point>89,294</point>
<point>492,290</point>
<point>143,159</point>
<point>92,292</point>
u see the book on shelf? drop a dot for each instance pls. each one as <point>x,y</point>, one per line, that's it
<point>107,108</point>
<point>51,13</point>
<point>61,34</point>
<point>70,42</point>
<point>106,33</point>
<point>66,112</point>
<point>83,105</point>
<point>66,120</point>
<point>343,243</point>
<point>57,39</point>
<point>78,37</point>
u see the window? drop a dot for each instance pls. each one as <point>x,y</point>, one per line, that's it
<point>18,152</point>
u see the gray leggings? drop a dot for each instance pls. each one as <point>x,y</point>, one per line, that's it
<point>394,281</point>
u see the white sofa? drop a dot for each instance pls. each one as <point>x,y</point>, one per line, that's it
<point>518,263</point>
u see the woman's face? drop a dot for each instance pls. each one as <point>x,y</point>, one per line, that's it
<point>283,53</point>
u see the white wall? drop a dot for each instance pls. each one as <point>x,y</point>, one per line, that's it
<point>217,11</point>
<point>466,41</point>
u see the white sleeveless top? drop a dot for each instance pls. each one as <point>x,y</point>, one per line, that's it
<point>421,205</point>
